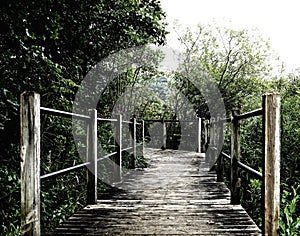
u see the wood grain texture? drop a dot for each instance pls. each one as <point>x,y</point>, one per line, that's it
<point>271,180</point>
<point>236,157</point>
<point>175,195</point>
<point>30,163</point>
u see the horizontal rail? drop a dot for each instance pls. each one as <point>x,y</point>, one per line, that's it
<point>127,122</point>
<point>126,149</point>
<point>225,120</point>
<point>107,156</point>
<point>226,155</point>
<point>65,114</point>
<point>246,168</point>
<point>175,121</point>
<point>77,167</point>
<point>106,119</point>
<point>253,113</point>
<point>246,115</point>
<point>250,170</point>
<point>64,171</point>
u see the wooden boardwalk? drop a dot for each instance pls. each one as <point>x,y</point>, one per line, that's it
<point>175,195</point>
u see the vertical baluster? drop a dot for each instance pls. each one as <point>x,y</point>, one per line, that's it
<point>92,158</point>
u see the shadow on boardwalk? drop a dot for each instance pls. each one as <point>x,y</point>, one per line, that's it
<point>175,195</point>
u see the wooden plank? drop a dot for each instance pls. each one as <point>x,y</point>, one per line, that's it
<point>271,180</point>
<point>172,197</point>
<point>236,156</point>
<point>30,163</point>
<point>92,158</point>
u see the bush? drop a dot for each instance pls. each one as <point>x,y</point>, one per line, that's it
<point>289,219</point>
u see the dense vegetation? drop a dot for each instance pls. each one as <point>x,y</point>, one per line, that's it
<point>49,46</point>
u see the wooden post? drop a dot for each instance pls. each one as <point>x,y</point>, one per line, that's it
<point>205,134</point>
<point>119,148</point>
<point>133,159</point>
<point>92,174</point>
<point>134,141</point>
<point>220,163</point>
<point>30,163</point>
<point>211,132</point>
<point>271,179</point>
<point>235,157</point>
<point>164,135</point>
<point>212,142</point>
<point>143,137</point>
<point>139,138</point>
<point>199,135</point>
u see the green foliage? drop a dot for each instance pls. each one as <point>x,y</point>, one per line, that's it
<point>289,219</point>
<point>237,60</point>
<point>251,154</point>
<point>290,167</point>
<point>10,200</point>
<point>61,198</point>
<point>48,47</point>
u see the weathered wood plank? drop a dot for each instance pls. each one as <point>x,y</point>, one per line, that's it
<point>30,163</point>
<point>175,195</point>
<point>271,180</point>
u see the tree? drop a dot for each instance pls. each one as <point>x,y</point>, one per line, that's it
<point>48,46</point>
<point>237,60</point>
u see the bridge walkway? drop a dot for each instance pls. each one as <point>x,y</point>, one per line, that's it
<point>176,194</point>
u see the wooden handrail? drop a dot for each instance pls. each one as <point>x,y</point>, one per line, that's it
<point>257,112</point>
<point>30,156</point>
<point>64,171</point>
<point>253,113</point>
<point>245,167</point>
<point>270,112</point>
<point>65,114</point>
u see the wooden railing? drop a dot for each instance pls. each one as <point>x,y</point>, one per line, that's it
<point>199,127</point>
<point>213,133</point>
<point>31,156</point>
<point>270,112</point>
